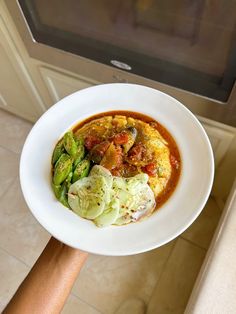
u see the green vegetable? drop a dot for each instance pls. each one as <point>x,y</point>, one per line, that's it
<point>98,170</point>
<point>68,180</point>
<point>62,169</point>
<point>56,190</point>
<point>136,198</point>
<point>111,200</point>
<point>79,154</point>
<point>79,140</point>
<point>81,170</point>
<point>58,151</point>
<point>109,215</point>
<point>68,154</point>
<point>123,220</point>
<point>89,196</point>
<point>64,195</point>
<point>70,144</point>
<point>101,197</point>
<point>60,192</point>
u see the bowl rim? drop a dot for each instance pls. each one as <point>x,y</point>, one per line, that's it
<point>131,251</point>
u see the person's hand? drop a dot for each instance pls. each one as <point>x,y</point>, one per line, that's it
<point>49,282</point>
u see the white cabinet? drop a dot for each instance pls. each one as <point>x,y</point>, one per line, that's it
<point>17,91</point>
<point>27,86</point>
<point>61,83</point>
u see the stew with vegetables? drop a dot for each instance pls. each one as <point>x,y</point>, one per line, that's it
<point>106,160</point>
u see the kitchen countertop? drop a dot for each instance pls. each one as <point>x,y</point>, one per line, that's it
<point>215,289</point>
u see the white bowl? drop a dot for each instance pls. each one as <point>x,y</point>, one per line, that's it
<point>177,214</point>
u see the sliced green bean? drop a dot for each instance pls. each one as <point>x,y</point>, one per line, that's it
<point>68,180</point>
<point>64,197</point>
<point>70,144</point>
<point>81,171</point>
<point>56,190</point>
<point>58,151</point>
<point>60,192</point>
<point>79,155</point>
<point>62,169</point>
<point>79,140</point>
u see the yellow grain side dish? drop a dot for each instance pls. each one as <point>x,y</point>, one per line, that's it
<point>150,150</point>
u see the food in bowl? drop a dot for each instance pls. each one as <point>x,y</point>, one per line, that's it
<point>115,168</point>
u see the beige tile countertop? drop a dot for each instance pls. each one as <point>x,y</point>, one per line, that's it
<point>215,288</point>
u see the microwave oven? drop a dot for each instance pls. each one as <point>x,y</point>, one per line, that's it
<point>185,48</point>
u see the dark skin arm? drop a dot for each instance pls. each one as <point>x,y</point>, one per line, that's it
<point>49,282</point>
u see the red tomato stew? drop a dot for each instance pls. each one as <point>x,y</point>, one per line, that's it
<point>128,143</point>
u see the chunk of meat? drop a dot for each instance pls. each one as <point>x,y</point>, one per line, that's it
<point>112,158</point>
<point>98,151</point>
<point>137,152</point>
<point>150,169</point>
<point>129,170</point>
<point>126,138</point>
<point>116,172</point>
<point>174,162</point>
<point>91,140</point>
<point>132,135</point>
<point>121,138</point>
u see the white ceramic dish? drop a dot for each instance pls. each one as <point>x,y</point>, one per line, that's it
<point>169,221</point>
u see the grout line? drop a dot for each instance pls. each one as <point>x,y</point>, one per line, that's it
<point>4,191</point>
<point>74,295</point>
<point>162,271</point>
<point>9,150</point>
<point>120,267</point>
<point>15,116</point>
<point>195,244</point>
<point>99,260</point>
<point>17,258</point>
<point>165,264</point>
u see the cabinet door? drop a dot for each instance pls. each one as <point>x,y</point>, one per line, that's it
<point>61,84</point>
<point>17,91</point>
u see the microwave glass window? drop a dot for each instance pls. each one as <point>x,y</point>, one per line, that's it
<point>183,43</point>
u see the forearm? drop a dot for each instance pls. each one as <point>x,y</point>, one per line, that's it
<point>49,282</point>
